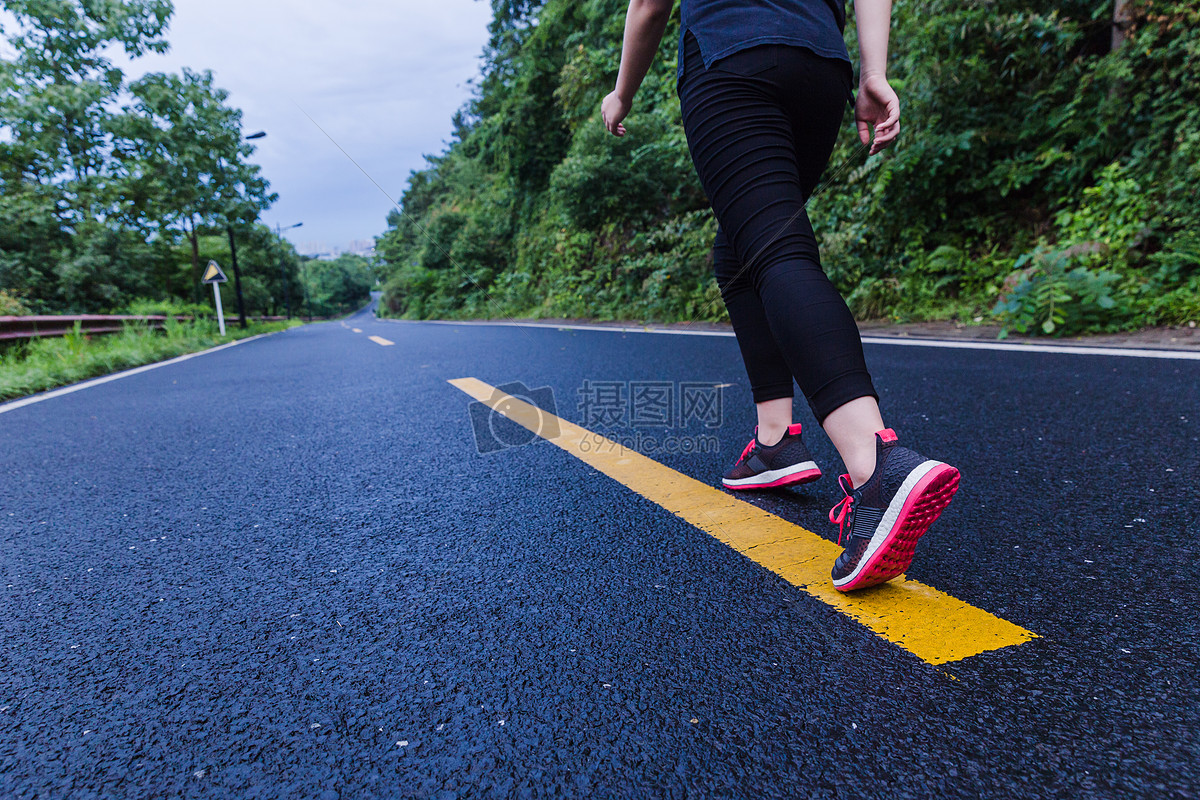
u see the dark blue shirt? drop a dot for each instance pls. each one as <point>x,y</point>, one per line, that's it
<point>723,27</point>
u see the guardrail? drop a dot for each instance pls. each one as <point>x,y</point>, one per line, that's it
<point>89,324</point>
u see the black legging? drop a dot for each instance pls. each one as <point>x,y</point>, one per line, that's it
<point>761,125</point>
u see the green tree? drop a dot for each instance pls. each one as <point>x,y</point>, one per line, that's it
<point>183,155</point>
<point>56,101</point>
<point>1037,145</point>
<point>99,180</point>
<point>333,287</point>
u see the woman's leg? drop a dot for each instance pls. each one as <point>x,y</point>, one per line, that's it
<point>760,128</point>
<point>761,125</point>
<point>770,377</point>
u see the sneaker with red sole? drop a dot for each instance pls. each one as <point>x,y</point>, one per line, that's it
<point>888,514</point>
<point>785,463</point>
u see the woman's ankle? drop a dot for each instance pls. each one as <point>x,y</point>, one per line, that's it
<point>774,419</point>
<point>852,428</point>
<point>771,435</point>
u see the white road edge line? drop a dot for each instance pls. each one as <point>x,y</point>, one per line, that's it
<point>1083,349</point>
<point>116,376</point>
<point>1086,350</point>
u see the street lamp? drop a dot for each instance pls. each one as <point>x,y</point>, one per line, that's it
<point>287,295</point>
<point>237,273</point>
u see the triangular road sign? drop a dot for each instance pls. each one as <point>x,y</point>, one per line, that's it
<point>214,274</point>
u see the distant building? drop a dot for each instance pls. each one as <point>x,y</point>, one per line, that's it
<point>315,250</point>
<point>323,252</point>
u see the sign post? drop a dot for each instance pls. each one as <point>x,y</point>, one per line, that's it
<point>216,277</point>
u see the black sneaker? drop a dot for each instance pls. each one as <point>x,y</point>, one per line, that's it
<point>889,513</point>
<point>786,463</point>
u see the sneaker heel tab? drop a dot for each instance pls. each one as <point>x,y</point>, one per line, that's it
<point>887,436</point>
<point>794,430</point>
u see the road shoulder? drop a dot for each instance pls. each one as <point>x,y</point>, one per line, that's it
<point>1159,338</point>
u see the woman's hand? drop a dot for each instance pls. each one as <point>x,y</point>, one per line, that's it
<point>877,105</point>
<point>614,109</point>
<point>644,26</point>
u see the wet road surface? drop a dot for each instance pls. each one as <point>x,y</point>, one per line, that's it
<point>286,570</point>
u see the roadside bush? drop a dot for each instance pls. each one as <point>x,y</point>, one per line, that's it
<point>1172,294</point>
<point>11,305</point>
<point>1054,298</point>
<point>144,307</point>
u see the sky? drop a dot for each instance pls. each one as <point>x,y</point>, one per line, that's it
<point>382,77</point>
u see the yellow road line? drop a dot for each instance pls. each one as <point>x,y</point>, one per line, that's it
<point>930,624</point>
<point>381,340</point>
<point>357,330</point>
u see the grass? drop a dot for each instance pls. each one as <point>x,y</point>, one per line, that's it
<point>48,363</point>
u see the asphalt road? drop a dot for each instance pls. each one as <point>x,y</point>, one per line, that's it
<point>285,570</point>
